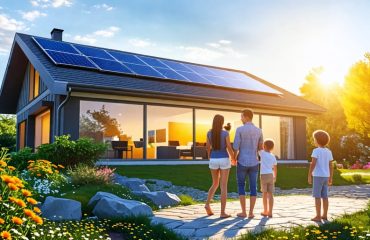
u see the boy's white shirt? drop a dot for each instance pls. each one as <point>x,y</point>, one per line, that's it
<point>323,156</point>
<point>268,161</point>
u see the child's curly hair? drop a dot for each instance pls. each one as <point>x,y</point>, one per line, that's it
<point>322,138</point>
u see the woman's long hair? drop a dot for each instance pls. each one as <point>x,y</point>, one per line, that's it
<point>218,122</point>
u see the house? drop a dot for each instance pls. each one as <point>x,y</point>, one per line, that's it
<point>144,107</point>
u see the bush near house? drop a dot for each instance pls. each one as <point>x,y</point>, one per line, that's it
<point>20,159</point>
<point>69,153</point>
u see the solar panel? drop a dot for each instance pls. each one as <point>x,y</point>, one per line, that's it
<point>55,45</point>
<point>129,63</point>
<point>70,59</point>
<point>112,66</point>
<point>93,52</point>
<point>126,57</point>
<point>168,73</point>
<point>144,70</point>
<point>152,62</point>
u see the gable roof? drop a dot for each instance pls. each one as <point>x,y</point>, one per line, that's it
<point>58,78</point>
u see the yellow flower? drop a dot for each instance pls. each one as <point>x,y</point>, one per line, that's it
<point>3,164</point>
<point>6,235</point>
<point>2,221</point>
<point>26,193</point>
<point>11,168</point>
<point>7,179</point>
<point>32,201</point>
<point>13,187</point>
<point>21,203</point>
<point>37,210</point>
<point>17,220</point>
<point>37,219</point>
<point>28,213</point>
<point>60,166</point>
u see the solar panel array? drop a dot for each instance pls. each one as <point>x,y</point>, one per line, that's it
<point>63,53</point>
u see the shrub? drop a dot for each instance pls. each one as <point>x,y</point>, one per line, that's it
<point>69,153</point>
<point>8,140</point>
<point>20,159</point>
<point>357,178</point>
<point>84,174</point>
<point>17,211</point>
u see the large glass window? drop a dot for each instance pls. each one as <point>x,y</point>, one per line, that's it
<point>42,128</point>
<point>169,132</point>
<point>280,129</point>
<point>118,124</point>
<point>34,83</point>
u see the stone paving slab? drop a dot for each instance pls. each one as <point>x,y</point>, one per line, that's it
<point>192,222</point>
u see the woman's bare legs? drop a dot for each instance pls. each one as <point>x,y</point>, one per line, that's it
<point>224,180</point>
<point>211,192</point>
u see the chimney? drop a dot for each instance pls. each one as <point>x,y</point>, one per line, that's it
<point>57,34</point>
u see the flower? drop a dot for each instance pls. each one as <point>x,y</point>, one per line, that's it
<point>6,235</point>
<point>26,193</point>
<point>20,203</point>
<point>32,201</point>
<point>11,168</point>
<point>37,219</point>
<point>2,221</point>
<point>17,220</point>
<point>36,210</point>
<point>13,187</point>
<point>28,212</point>
<point>3,163</point>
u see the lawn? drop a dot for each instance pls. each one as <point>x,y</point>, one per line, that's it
<point>198,176</point>
<point>349,226</point>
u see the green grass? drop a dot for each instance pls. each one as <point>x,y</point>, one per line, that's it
<point>351,226</point>
<point>348,174</point>
<point>198,176</point>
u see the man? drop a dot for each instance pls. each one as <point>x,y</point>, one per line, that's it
<point>248,141</point>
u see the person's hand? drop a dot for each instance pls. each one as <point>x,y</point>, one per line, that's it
<point>310,180</point>
<point>330,182</point>
<point>233,162</point>
<point>274,179</point>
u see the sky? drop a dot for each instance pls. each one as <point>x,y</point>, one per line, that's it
<point>277,40</point>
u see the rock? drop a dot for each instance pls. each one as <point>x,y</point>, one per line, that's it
<point>134,184</point>
<point>59,209</point>
<point>160,198</point>
<point>113,208</point>
<point>99,195</point>
<point>160,183</point>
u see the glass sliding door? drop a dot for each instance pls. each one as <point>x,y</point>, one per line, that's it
<point>280,129</point>
<point>169,132</point>
<point>120,125</point>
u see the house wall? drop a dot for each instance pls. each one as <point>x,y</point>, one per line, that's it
<point>71,111</point>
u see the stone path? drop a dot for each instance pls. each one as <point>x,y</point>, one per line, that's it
<point>289,211</point>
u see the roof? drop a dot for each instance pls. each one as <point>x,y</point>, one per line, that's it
<point>59,78</point>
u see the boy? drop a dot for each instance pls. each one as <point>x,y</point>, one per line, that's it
<point>321,169</point>
<point>268,176</point>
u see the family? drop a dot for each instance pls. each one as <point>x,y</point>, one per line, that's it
<point>251,154</point>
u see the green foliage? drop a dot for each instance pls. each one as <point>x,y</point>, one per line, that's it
<point>84,174</point>
<point>333,120</point>
<point>7,124</point>
<point>356,97</point>
<point>186,200</point>
<point>69,153</point>
<point>20,159</point>
<point>8,141</point>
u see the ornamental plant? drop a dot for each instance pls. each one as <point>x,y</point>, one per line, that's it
<point>84,174</point>
<point>18,211</point>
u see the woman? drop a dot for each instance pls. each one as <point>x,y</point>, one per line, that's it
<point>220,151</point>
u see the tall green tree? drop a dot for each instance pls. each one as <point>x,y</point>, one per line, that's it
<point>7,131</point>
<point>333,120</point>
<point>356,97</point>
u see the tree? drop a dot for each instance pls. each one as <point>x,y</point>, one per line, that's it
<point>333,120</point>
<point>356,97</point>
<point>7,131</point>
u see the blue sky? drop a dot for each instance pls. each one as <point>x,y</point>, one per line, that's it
<point>280,41</point>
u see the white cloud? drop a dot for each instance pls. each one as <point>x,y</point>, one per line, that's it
<point>225,42</point>
<point>8,26</point>
<point>51,3</point>
<point>32,15</point>
<point>86,39</point>
<point>141,43</point>
<point>109,32</point>
<point>200,54</point>
<point>61,3</point>
<point>104,6</point>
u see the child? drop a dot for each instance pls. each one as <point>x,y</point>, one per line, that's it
<point>268,176</point>
<point>321,169</point>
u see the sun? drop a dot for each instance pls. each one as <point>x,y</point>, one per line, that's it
<point>332,75</point>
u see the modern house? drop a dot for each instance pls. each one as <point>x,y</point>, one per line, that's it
<point>144,107</point>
